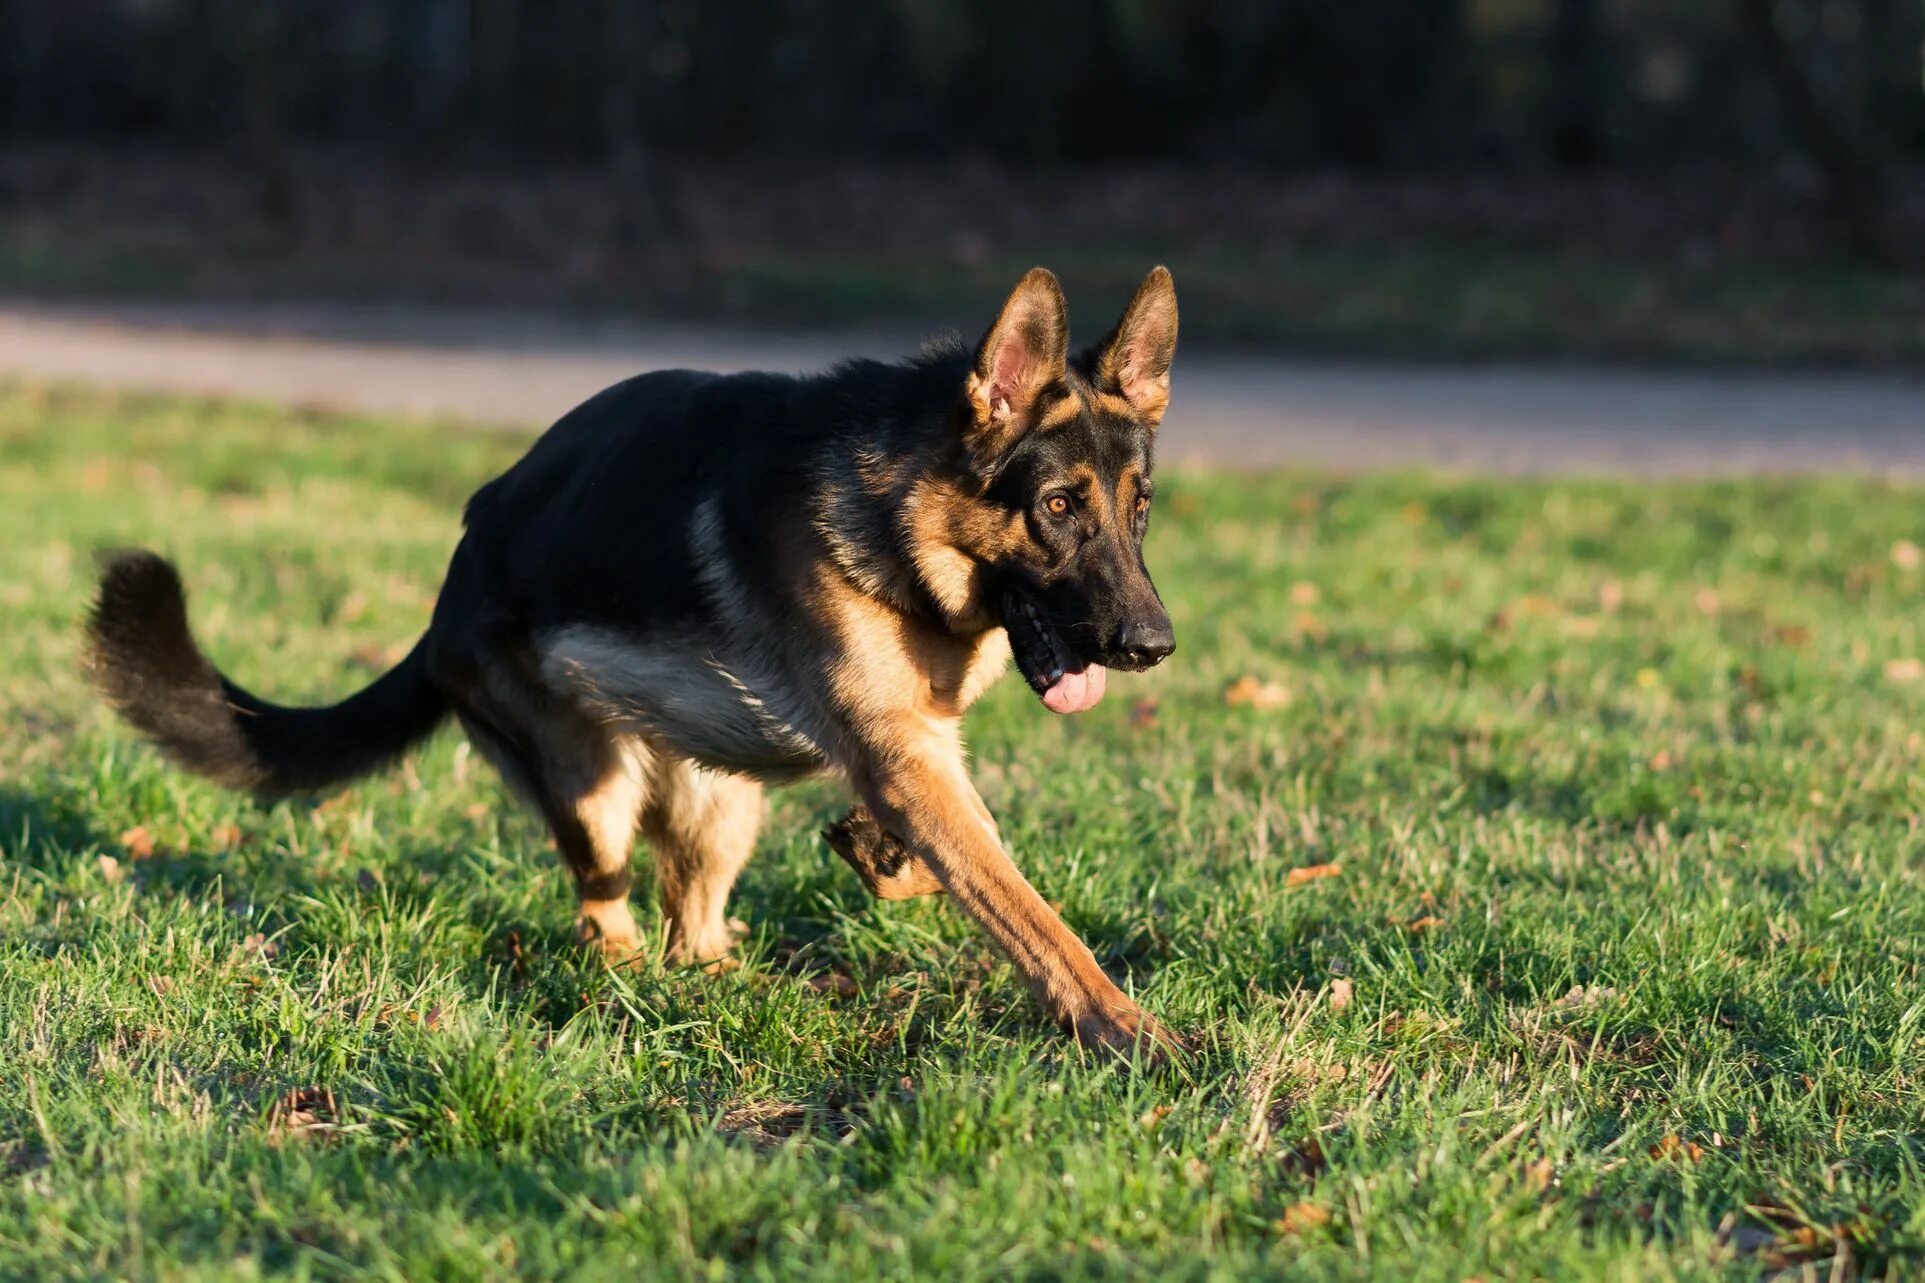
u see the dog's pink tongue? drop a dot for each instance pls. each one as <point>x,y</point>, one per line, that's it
<point>1077,692</point>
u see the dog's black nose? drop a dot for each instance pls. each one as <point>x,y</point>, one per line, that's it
<point>1144,643</point>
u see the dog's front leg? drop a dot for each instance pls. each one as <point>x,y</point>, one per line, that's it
<point>889,869</point>
<point>926,800</point>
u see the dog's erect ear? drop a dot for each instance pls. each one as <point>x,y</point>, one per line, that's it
<point>1025,353</point>
<point>1134,361</point>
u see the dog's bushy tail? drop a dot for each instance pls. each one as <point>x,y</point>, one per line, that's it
<point>145,661</point>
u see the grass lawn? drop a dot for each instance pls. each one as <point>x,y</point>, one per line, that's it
<point>1547,903</point>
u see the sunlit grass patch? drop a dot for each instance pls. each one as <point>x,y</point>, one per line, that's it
<point>1536,865</point>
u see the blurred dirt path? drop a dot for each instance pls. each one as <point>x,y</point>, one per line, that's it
<point>522,371</point>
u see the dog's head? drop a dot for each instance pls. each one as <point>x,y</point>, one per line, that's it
<point>1059,450</point>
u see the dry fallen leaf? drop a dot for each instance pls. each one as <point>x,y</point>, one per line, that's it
<point>1903,670</point>
<point>225,837</point>
<point>1248,692</point>
<point>1304,593</point>
<point>161,985</point>
<point>1426,923</point>
<point>378,658</point>
<point>110,869</point>
<point>1708,601</point>
<point>1538,606</point>
<point>1582,996</point>
<point>1661,760</point>
<point>138,843</point>
<point>1674,1148</point>
<point>303,1110</point>
<point>834,983</point>
<point>1311,873</point>
<point>1610,595</point>
<point>1341,991</point>
<point>1905,555</point>
<point>1301,1218</point>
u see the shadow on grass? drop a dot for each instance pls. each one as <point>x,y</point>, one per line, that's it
<point>41,831</point>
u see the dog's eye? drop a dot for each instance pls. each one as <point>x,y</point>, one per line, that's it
<point>1058,505</point>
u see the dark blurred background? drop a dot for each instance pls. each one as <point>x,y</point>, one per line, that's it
<point>1722,180</point>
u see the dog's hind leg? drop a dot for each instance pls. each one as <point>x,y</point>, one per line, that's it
<point>590,787</point>
<point>702,824</point>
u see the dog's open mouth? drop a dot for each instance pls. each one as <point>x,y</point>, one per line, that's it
<point>1065,683</point>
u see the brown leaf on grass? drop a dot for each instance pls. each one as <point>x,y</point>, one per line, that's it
<point>161,985</point>
<point>1610,596</point>
<point>1304,593</point>
<point>110,870</point>
<point>771,1122</point>
<point>1305,1159</point>
<point>1580,997</point>
<point>302,1112</point>
<point>378,659</point>
<point>1676,1149</point>
<point>1707,601</point>
<point>1662,760</point>
<point>1793,635</point>
<point>1539,1175</point>
<point>1538,606</point>
<point>1428,922</point>
<point>225,837</point>
<point>1903,671</point>
<point>1250,692</point>
<point>1143,714</point>
<point>1905,555</point>
<point>1341,993</point>
<point>1301,1218</point>
<point>1152,1118</point>
<point>259,946</point>
<point>834,984</point>
<point>138,843</point>
<point>1308,873</point>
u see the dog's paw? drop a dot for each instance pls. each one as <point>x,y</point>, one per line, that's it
<point>609,928</point>
<point>1129,1034</point>
<point>889,869</point>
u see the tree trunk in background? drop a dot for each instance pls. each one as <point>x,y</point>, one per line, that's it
<point>253,37</point>
<point>1847,154</point>
<point>1575,135</point>
<point>644,203</point>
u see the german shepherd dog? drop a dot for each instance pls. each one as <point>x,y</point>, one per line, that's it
<point>694,585</point>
